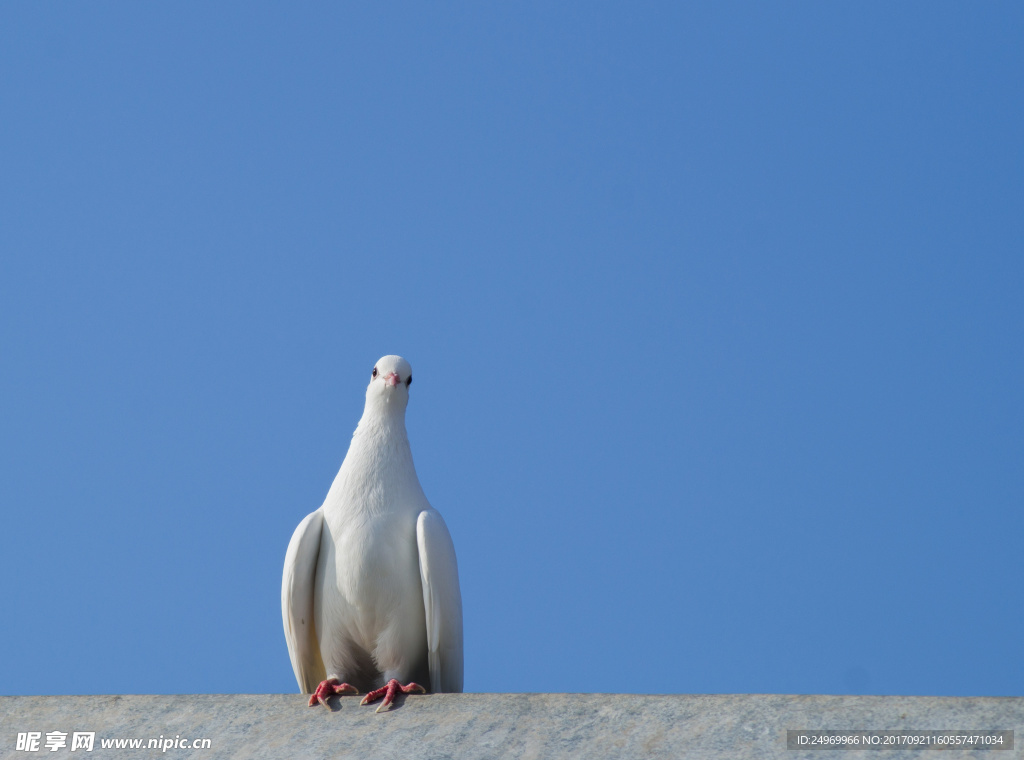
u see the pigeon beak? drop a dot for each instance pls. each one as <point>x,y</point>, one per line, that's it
<point>391,379</point>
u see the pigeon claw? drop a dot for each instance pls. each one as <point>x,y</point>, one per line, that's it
<point>389,691</point>
<point>329,688</point>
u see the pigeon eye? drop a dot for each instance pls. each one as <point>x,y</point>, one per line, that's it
<point>408,382</point>
<point>374,372</point>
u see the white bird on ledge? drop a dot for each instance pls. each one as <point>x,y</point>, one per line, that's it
<point>370,594</point>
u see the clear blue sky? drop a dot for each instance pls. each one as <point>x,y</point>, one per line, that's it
<point>715,314</point>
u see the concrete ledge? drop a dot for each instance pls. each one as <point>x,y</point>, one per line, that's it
<point>521,726</point>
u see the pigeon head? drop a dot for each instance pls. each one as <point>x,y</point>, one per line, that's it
<point>389,383</point>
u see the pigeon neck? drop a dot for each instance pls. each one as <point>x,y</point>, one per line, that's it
<point>382,421</point>
<point>379,461</point>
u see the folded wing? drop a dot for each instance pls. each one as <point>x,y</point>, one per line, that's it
<point>442,602</point>
<point>297,602</point>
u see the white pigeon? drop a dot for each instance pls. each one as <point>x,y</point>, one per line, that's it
<point>370,594</point>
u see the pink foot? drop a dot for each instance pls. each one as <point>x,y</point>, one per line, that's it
<point>329,688</point>
<point>389,691</point>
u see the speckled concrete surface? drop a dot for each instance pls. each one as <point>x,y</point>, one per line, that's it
<point>521,726</point>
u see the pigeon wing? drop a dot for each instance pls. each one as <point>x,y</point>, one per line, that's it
<point>297,602</point>
<point>442,602</point>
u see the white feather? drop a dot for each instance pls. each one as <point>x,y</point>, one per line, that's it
<point>439,573</point>
<point>297,602</point>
